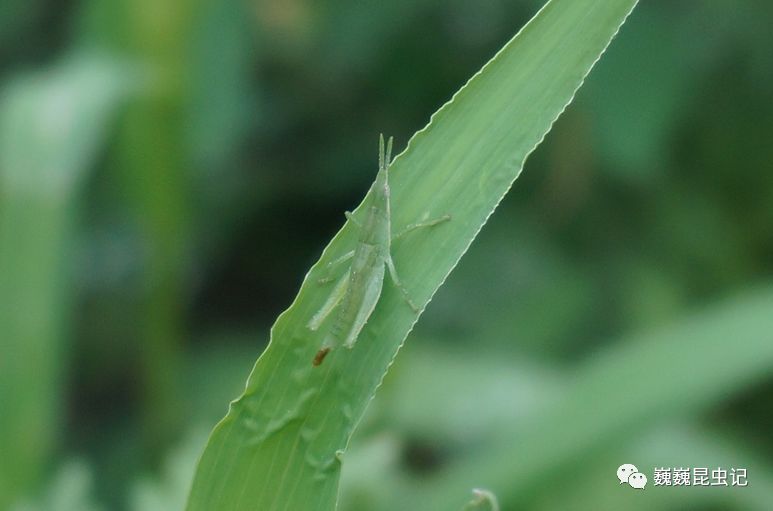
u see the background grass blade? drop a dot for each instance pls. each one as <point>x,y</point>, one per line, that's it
<point>644,381</point>
<point>51,125</point>
<point>279,447</point>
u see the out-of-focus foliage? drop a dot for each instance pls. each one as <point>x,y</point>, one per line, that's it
<point>51,124</point>
<point>171,489</point>
<point>71,489</point>
<point>649,202</point>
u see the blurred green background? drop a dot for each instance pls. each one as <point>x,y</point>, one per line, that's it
<point>170,170</point>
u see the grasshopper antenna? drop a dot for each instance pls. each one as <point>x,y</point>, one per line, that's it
<point>384,156</point>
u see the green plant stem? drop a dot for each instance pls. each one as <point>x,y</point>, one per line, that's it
<point>154,172</point>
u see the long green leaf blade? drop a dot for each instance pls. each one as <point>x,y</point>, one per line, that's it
<point>279,447</point>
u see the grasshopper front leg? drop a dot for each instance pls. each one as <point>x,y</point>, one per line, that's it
<point>423,223</point>
<point>396,281</point>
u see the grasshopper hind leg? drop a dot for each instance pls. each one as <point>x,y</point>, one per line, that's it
<point>334,263</point>
<point>331,303</point>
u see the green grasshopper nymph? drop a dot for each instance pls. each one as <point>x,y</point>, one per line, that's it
<point>359,289</point>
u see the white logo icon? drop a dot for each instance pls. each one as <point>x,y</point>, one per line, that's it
<point>637,480</point>
<point>625,471</point>
<point>628,473</point>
